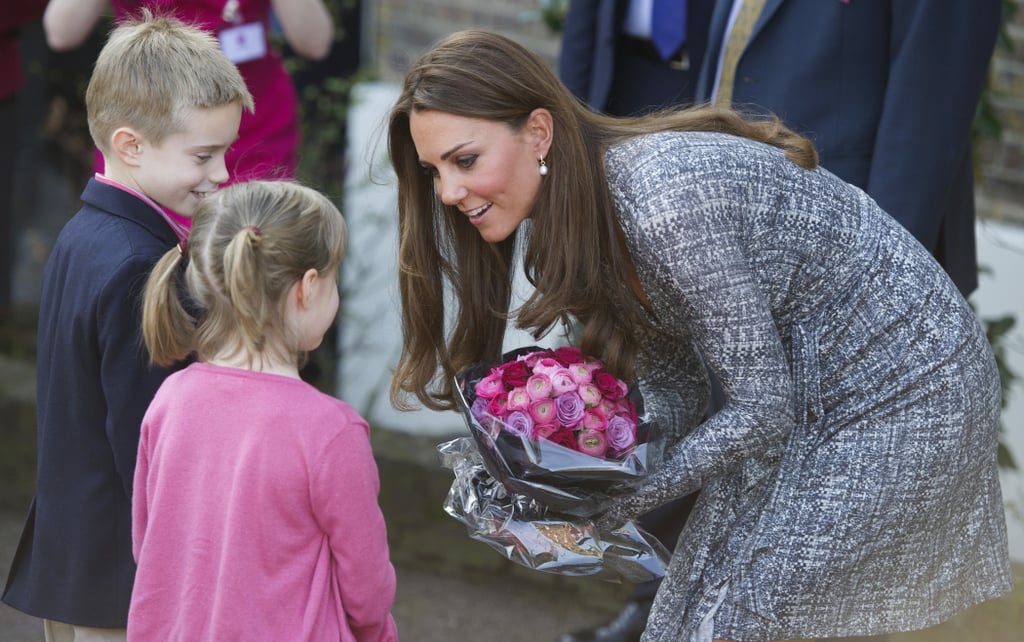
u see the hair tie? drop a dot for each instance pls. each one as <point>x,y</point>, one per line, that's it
<point>255,229</point>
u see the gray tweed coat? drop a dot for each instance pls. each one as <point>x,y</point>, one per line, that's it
<point>849,484</point>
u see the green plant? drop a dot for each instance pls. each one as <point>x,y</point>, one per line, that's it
<point>988,126</point>
<point>323,93</point>
<point>550,12</point>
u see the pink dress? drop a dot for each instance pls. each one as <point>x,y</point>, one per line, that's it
<point>255,515</point>
<point>267,139</point>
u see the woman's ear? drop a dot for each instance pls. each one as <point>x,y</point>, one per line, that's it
<point>127,146</point>
<point>540,127</point>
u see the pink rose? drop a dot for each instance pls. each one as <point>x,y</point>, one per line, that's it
<point>490,385</point>
<point>518,399</point>
<point>593,419</point>
<point>543,431</point>
<point>496,406</point>
<point>538,386</point>
<point>608,407</point>
<point>547,365</point>
<point>590,394</point>
<point>580,373</point>
<point>531,358</point>
<point>592,442</point>
<point>627,408</point>
<point>562,382</point>
<point>543,410</point>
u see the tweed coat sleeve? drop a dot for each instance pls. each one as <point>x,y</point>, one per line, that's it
<point>684,213</point>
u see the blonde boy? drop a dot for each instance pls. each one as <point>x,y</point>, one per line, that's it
<point>164,105</point>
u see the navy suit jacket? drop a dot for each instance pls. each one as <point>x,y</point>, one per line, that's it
<point>887,90</point>
<point>590,37</point>
<point>74,562</point>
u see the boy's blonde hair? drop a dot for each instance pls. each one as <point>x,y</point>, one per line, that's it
<point>250,243</point>
<point>151,70</point>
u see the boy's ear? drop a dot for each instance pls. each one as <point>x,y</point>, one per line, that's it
<point>127,145</point>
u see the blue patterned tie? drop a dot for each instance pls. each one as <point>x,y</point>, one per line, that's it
<point>668,26</point>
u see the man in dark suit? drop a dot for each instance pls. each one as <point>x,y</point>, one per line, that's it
<point>886,89</point>
<point>609,60</point>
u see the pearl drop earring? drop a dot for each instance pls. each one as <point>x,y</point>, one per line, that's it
<point>543,167</point>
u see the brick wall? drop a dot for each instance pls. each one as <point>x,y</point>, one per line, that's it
<point>402,29</point>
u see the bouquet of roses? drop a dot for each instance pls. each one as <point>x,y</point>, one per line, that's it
<point>554,437</point>
<point>530,535</point>
<point>556,426</point>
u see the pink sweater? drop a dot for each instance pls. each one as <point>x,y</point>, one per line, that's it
<point>255,515</point>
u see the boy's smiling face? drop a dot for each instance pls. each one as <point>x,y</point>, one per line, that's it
<point>185,166</point>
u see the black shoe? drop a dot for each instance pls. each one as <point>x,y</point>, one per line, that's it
<point>627,626</point>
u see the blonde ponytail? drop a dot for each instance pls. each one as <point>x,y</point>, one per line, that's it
<point>167,328</point>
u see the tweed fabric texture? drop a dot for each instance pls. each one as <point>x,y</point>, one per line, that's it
<point>849,485</point>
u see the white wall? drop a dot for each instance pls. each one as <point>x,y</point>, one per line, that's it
<point>1000,293</point>
<point>370,335</point>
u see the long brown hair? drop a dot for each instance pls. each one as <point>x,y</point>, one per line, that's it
<point>574,254</point>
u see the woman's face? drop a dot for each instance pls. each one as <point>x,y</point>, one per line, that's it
<point>486,170</point>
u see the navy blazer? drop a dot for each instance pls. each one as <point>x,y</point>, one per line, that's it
<point>590,37</point>
<point>887,90</point>
<point>74,562</point>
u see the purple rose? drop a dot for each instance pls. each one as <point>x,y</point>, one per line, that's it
<point>479,409</point>
<point>621,434</point>
<point>569,409</point>
<point>519,424</point>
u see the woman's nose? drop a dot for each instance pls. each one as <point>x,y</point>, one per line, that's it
<point>450,190</point>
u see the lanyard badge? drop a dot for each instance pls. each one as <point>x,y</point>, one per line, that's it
<point>241,42</point>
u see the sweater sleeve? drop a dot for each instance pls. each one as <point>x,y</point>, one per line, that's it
<point>345,489</point>
<point>690,218</point>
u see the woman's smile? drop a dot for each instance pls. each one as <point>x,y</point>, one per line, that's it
<point>475,214</point>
